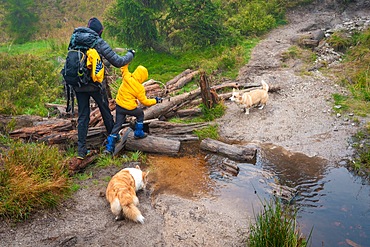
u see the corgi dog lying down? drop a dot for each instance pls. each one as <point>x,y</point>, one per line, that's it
<point>121,193</point>
<point>257,97</point>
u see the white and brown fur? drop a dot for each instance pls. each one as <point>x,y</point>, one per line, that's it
<point>256,97</point>
<point>121,193</point>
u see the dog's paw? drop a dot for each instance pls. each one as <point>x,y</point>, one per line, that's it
<point>140,219</point>
<point>119,217</point>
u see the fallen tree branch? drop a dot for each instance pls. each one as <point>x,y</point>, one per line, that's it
<point>234,152</point>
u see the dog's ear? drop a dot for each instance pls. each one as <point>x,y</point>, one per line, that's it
<point>137,167</point>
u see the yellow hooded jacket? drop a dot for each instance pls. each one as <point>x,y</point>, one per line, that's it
<point>132,89</point>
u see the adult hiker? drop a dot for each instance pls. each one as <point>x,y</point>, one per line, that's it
<point>84,38</point>
<point>129,94</point>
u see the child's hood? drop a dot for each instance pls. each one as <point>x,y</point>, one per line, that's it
<point>140,74</point>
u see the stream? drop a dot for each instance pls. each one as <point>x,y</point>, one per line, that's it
<point>331,201</point>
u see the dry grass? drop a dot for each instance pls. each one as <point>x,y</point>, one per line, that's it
<point>32,177</point>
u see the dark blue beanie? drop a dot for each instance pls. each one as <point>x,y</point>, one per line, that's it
<point>95,25</point>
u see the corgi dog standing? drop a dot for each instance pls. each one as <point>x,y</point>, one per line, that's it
<point>121,193</point>
<point>257,97</point>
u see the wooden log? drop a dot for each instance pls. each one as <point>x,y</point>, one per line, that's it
<point>95,115</point>
<point>157,127</point>
<point>176,78</point>
<point>184,113</point>
<point>161,109</point>
<point>230,167</point>
<point>38,131</point>
<point>183,81</point>
<point>233,152</point>
<point>181,138</point>
<point>17,122</point>
<point>62,110</point>
<point>152,90</point>
<point>153,144</point>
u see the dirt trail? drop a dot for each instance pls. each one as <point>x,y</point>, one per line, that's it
<point>298,118</point>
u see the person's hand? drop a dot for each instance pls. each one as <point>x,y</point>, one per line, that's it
<point>158,99</point>
<point>132,52</point>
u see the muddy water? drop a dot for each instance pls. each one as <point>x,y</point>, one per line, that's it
<point>329,198</point>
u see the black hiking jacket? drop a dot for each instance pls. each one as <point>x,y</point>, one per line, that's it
<point>84,38</point>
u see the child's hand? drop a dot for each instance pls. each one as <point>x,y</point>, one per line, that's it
<point>133,52</point>
<point>158,99</point>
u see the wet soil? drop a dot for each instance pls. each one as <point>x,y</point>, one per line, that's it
<point>298,117</point>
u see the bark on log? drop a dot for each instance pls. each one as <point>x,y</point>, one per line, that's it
<point>62,110</point>
<point>161,127</point>
<point>176,78</point>
<point>184,113</point>
<point>37,132</point>
<point>234,152</point>
<point>181,138</point>
<point>183,81</point>
<point>17,122</point>
<point>153,144</point>
<point>170,104</point>
<point>205,91</point>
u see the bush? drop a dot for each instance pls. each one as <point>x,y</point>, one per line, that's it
<point>32,177</point>
<point>27,82</point>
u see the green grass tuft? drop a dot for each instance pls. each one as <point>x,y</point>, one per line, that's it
<point>208,132</point>
<point>276,226</point>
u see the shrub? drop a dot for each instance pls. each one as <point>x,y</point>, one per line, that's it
<point>32,177</point>
<point>27,83</point>
<point>340,41</point>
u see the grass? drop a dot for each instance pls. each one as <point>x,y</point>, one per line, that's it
<point>31,71</point>
<point>108,160</point>
<point>276,226</point>
<point>355,75</point>
<point>208,132</point>
<point>32,177</point>
<point>362,145</point>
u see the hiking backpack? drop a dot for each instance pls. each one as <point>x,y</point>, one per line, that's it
<point>75,71</point>
<point>80,69</point>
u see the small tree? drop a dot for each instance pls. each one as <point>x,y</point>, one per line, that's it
<point>135,22</point>
<point>196,23</point>
<point>20,19</point>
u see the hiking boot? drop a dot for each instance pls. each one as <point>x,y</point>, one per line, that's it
<point>111,142</point>
<point>75,164</point>
<point>78,163</point>
<point>139,131</point>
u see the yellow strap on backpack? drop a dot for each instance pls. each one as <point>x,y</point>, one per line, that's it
<point>95,64</point>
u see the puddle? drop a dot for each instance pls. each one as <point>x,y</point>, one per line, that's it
<point>330,199</point>
<point>184,176</point>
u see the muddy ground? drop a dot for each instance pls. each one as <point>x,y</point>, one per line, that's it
<point>298,117</point>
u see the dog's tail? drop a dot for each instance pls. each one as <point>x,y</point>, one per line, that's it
<point>133,213</point>
<point>265,86</point>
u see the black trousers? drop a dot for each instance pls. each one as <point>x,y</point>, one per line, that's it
<point>121,114</point>
<point>83,101</point>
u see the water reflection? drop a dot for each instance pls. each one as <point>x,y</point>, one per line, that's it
<point>302,175</point>
<point>330,199</point>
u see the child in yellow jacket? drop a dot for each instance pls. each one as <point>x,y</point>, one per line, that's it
<point>129,93</point>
